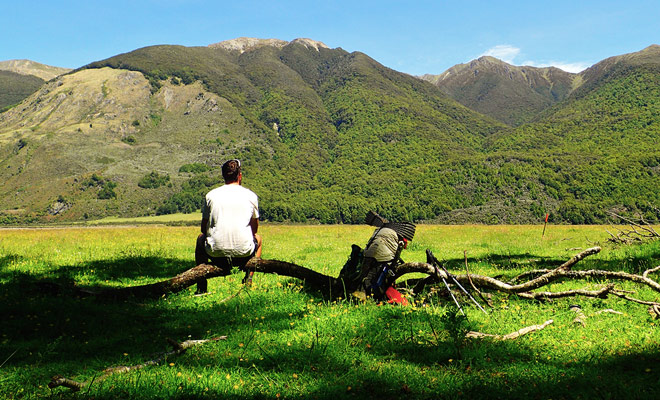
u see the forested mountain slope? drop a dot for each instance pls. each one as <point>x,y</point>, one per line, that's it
<point>324,135</point>
<point>598,150</point>
<point>21,78</point>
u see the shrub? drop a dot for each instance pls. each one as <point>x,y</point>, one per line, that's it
<point>92,181</point>
<point>191,196</point>
<point>106,186</point>
<point>153,180</point>
<point>195,168</point>
<point>107,191</point>
<point>155,119</point>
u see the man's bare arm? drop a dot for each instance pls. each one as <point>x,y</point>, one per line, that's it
<point>254,225</point>
<point>205,224</point>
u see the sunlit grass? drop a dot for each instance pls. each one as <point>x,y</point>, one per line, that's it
<point>284,339</point>
<point>167,218</point>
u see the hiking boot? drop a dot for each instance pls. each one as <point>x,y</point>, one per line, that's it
<point>247,279</point>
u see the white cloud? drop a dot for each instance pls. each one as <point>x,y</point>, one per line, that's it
<point>503,52</point>
<point>508,54</point>
<point>568,67</point>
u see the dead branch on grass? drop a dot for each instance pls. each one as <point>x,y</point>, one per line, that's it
<point>639,231</point>
<point>510,336</point>
<point>467,273</point>
<point>177,349</point>
<point>654,310</point>
<point>600,293</point>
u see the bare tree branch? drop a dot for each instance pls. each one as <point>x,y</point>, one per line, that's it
<point>639,231</point>
<point>512,335</point>
<point>178,348</point>
<point>624,296</point>
<point>600,293</point>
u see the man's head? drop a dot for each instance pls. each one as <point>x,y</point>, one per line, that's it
<point>231,171</point>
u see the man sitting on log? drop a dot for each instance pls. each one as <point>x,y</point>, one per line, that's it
<point>230,220</point>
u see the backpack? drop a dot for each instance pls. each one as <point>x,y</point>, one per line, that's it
<point>352,270</point>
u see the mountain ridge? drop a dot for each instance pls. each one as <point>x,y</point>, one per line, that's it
<point>518,94</point>
<point>29,67</point>
<point>244,44</point>
<point>508,93</point>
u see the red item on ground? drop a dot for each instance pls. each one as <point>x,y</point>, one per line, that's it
<point>394,296</point>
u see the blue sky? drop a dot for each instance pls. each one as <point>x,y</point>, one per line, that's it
<point>414,37</point>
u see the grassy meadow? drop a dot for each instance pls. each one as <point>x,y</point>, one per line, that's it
<point>285,340</point>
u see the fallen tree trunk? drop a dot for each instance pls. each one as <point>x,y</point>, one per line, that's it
<point>336,287</point>
<point>204,271</point>
<point>157,289</point>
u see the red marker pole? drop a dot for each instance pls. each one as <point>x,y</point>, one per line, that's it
<point>546,223</point>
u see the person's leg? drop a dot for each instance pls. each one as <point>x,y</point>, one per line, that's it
<point>258,242</point>
<point>257,254</point>
<point>370,271</point>
<point>201,258</point>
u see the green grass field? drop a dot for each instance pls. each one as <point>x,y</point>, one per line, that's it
<point>285,340</point>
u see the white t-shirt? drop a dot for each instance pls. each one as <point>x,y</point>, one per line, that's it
<point>229,210</point>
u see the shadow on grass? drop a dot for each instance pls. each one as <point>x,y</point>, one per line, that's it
<point>326,370</point>
<point>43,308</point>
<point>9,259</point>
<point>632,263</point>
<point>128,268</point>
<point>505,261</point>
<point>134,267</point>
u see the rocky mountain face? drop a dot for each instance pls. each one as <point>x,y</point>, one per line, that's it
<point>86,123</point>
<point>513,95</point>
<point>244,44</point>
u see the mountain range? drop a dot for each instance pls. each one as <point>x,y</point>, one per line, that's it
<point>325,135</point>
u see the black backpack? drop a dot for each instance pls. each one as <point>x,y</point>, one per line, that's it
<point>352,270</point>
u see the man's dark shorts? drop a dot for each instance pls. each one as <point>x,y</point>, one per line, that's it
<point>226,263</point>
